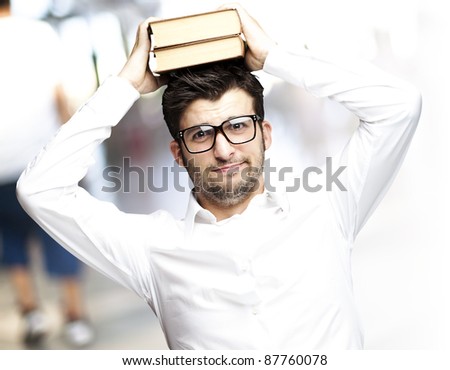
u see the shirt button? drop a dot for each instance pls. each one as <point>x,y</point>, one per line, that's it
<point>255,311</point>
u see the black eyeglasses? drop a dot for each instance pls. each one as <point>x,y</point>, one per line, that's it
<point>237,130</point>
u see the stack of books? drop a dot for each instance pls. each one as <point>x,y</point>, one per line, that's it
<point>194,40</point>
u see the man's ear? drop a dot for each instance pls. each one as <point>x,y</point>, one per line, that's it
<point>267,133</point>
<point>176,152</point>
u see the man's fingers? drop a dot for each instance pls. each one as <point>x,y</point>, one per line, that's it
<point>142,38</point>
<point>145,24</point>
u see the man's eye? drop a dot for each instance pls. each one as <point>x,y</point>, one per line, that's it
<point>198,134</point>
<point>237,126</point>
<point>201,134</point>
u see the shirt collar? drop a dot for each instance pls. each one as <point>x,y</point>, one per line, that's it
<point>196,213</point>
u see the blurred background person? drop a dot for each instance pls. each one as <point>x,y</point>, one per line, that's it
<point>33,107</point>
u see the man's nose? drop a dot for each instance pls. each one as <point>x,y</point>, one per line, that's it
<point>223,149</point>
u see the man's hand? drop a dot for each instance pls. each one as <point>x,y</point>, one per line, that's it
<point>136,69</point>
<point>258,42</point>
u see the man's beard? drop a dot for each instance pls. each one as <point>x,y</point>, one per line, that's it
<point>229,188</point>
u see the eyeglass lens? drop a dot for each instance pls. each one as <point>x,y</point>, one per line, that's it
<point>237,130</point>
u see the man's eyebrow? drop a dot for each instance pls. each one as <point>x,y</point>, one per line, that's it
<point>210,124</point>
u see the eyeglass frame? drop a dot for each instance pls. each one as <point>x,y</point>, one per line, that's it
<point>255,118</point>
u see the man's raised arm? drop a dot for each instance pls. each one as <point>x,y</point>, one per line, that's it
<point>96,232</point>
<point>388,110</point>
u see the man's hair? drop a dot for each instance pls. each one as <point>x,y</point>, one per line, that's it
<point>4,3</point>
<point>209,82</point>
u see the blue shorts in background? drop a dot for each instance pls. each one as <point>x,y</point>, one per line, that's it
<point>16,227</point>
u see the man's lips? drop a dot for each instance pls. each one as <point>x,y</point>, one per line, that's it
<point>232,167</point>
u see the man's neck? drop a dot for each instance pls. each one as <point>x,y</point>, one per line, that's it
<point>222,212</point>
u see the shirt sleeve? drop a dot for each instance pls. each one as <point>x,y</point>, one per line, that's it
<point>94,231</point>
<point>388,110</point>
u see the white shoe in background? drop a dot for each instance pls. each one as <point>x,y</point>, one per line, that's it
<point>36,328</point>
<point>78,333</point>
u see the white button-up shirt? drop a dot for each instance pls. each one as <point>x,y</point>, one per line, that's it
<point>276,276</point>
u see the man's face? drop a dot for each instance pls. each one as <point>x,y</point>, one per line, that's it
<point>227,174</point>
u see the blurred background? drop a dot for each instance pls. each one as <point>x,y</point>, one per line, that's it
<point>400,265</point>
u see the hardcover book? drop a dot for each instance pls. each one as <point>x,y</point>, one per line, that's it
<point>194,40</point>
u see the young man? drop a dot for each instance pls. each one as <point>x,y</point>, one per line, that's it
<point>246,268</point>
